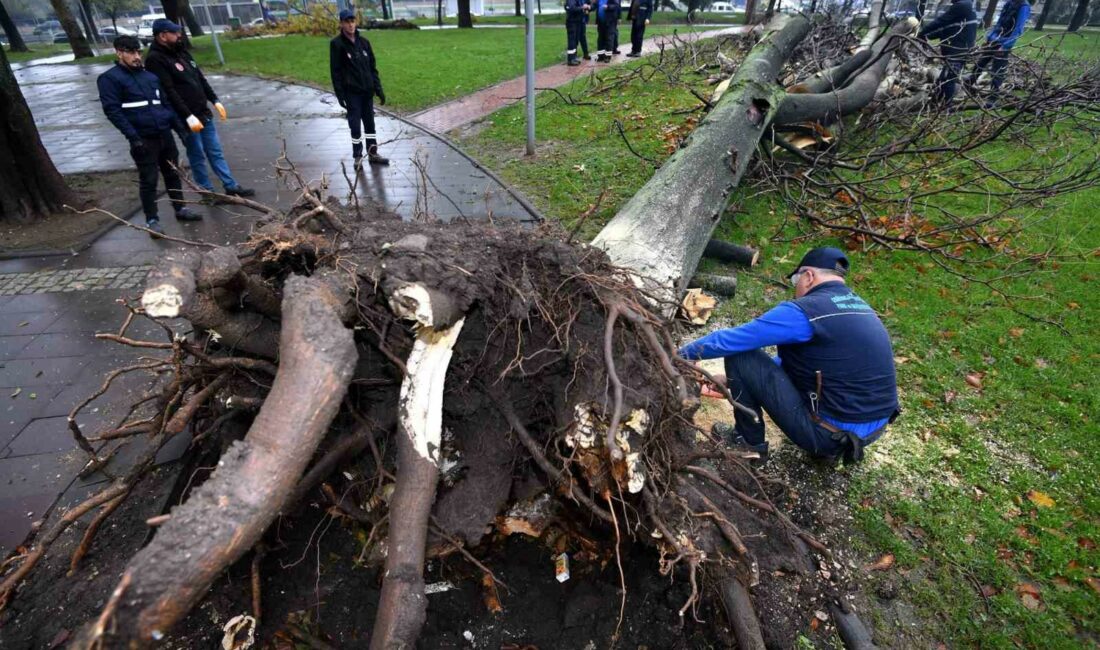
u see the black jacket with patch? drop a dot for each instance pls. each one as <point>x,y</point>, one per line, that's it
<point>353,67</point>
<point>182,81</point>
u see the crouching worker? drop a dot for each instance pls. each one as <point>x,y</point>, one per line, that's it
<point>132,100</point>
<point>832,388</point>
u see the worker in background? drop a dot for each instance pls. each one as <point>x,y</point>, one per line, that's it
<point>999,41</point>
<point>832,388</point>
<point>576,13</point>
<point>639,14</point>
<point>956,29</point>
<point>607,27</point>
<point>355,80</point>
<point>190,95</point>
<point>132,101</point>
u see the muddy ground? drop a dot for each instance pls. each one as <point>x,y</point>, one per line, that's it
<point>115,192</point>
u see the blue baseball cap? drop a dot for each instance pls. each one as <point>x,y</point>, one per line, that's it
<point>346,14</point>
<point>165,25</point>
<point>826,257</point>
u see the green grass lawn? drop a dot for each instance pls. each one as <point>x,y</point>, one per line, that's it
<point>37,51</point>
<point>419,68</point>
<point>987,495</point>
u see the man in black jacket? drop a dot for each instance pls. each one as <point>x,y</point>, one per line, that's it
<point>131,99</point>
<point>191,95</point>
<point>639,14</point>
<point>956,29</point>
<point>356,83</point>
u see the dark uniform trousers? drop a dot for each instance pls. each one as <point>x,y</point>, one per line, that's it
<point>637,33</point>
<point>361,122</point>
<point>160,155</point>
<point>996,57</point>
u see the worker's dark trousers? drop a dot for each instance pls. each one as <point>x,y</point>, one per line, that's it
<point>573,31</point>
<point>361,122</point>
<point>582,38</point>
<point>756,381</point>
<point>637,33</point>
<point>607,35</point>
<point>160,155</point>
<point>996,57</point>
<point>948,81</point>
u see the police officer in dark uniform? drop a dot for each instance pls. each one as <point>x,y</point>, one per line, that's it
<point>356,83</point>
<point>956,29</point>
<point>639,14</point>
<point>576,17</point>
<point>132,100</point>
<point>832,388</point>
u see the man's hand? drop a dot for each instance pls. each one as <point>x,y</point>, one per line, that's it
<point>381,97</point>
<point>221,110</point>
<point>647,21</point>
<point>138,148</point>
<point>194,123</point>
<point>342,102</point>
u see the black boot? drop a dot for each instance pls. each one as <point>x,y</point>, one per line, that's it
<point>728,433</point>
<point>373,157</point>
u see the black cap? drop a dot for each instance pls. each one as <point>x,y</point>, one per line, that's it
<point>827,257</point>
<point>347,14</point>
<point>127,43</point>
<point>165,25</point>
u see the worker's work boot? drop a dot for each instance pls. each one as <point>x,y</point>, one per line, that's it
<point>728,433</point>
<point>187,214</point>
<point>358,164</point>
<point>155,229</point>
<point>573,61</point>
<point>374,159</point>
<point>243,192</point>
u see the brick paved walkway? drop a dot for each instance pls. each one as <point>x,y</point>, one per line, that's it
<point>464,110</point>
<point>52,306</point>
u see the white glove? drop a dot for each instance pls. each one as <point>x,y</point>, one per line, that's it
<point>194,123</point>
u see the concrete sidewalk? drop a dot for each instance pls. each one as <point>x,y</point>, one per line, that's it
<point>464,110</point>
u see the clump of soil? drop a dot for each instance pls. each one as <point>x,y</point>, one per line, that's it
<point>116,192</point>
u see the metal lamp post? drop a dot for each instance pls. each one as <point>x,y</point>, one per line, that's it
<point>530,15</point>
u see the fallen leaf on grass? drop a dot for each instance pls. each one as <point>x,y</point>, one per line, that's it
<point>1086,543</point>
<point>1015,332</point>
<point>1041,499</point>
<point>1041,363</point>
<point>1073,305</point>
<point>1062,584</point>
<point>949,397</point>
<point>881,564</point>
<point>1030,596</point>
<point>989,591</point>
<point>1094,583</point>
<point>975,379</point>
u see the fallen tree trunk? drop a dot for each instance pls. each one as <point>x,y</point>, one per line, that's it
<point>662,230</point>
<point>731,253</point>
<point>226,516</point>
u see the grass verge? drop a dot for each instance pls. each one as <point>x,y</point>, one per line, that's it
<point>985,490</point>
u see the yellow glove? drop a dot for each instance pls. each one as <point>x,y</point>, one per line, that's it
<point>221,110</point>
<point>194,123</point>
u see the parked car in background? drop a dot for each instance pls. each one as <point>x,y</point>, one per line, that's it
<point>46,28</point>
<point>145,28</point>
<point>61,37</point>
<point>109,32</point>
<point>721,8</point>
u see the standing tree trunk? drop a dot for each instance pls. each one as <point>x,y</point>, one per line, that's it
<point>85,8</point>
<point>1047,6</point>
<point>519,9</point>
<point>30,185</point>
<point>464,17</point>
<point>15,39</point>
<point>750,9</point>
<point>439,13</point>
<point>81,49</point>
<point>1079,16</point>
<point>990,13</point>
<point>188,13</point>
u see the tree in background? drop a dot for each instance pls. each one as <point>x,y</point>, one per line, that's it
<point>115,8</point>
<point>30,185</point>
<point>990,14</point>
<point>1047,6</point>
<point>1080,16</point>
<point>15,39</point>
<point>464,17</point>
<point>84,8</point>
<point>79,44</point>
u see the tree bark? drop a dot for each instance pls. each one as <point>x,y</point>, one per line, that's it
<point>1047,6</point>
<point>79,44</point>
<point>188,14</point>
<point>874,21</point>
<point>519,9</point>
<point>30,185</point>
<point>1079,16</point>
<point>464,17</point>
<point>663,229</point>
<point>15,39</point>
<point>750,9</point>
<point>826,107</point>
<point>731,253</point>
<point>90,30</point>
<point>225,517</point>
<point>741,614</point>
<point>990,13</point>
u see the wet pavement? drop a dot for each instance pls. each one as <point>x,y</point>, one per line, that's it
<point>52,306</point>
<point>464,110</point>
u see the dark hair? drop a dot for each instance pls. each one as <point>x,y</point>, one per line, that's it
<point>127,43</point>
